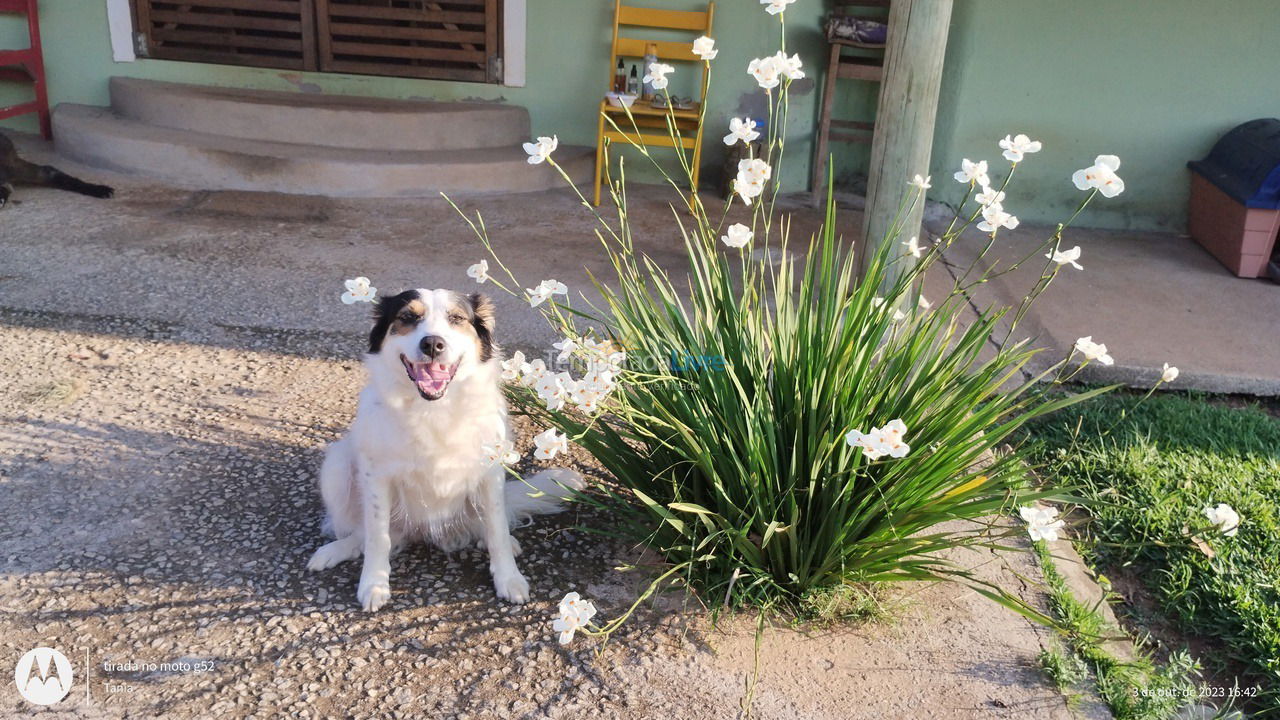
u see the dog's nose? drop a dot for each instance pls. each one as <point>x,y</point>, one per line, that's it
<point>432,345</point>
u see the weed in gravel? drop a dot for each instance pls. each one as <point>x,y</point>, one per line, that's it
<point>843,604</point>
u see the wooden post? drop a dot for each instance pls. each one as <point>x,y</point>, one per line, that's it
<point>914,52</point>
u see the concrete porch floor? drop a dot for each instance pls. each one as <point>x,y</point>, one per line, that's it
<point>1151,298</point>
<point>213,267</point>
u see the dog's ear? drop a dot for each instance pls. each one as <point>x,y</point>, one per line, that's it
<point>385,312</point>
<point>482,318</point>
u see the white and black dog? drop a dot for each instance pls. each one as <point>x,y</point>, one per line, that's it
<point>412,466</point>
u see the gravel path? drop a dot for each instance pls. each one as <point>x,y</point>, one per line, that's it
<point>167,383</point>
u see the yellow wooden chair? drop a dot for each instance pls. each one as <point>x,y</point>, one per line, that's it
<point>628,20</point>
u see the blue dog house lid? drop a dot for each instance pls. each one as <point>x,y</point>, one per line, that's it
<point>1245,164</point>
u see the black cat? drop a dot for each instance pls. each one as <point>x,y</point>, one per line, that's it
<point>14,169</point>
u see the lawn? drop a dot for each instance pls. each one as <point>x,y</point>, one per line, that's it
<point>1150,468</point>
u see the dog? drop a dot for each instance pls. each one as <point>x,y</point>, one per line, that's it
<point>413,465</point>
<point>14,169</point>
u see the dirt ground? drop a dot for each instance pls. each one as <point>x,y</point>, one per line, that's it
<point>171,365</point>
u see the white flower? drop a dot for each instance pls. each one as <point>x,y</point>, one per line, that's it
<point>994,217</point>
<point>1169,374</point>
<point>587,396</point>
<point>1066,257</point>
<point>573,603</point>
<point>594,387</point>
<point>921,182</point>
<point>358,290</point>
<point>544,290</point>
<point>913,247</point>
<point>738,236</point>
<point>705,48</point>
<point>548,443</point>
<point>989,196</point>
<point>479,271</point>
<point>1041,522</point>
<point>657,75</point>
<point>502,452</point>
<point>567,624</point>
<point>752,175</point>
<point>887,440</point>
<point>566,348</point>
<point>608,365</point>
<point>532,372</point>
<point>973,172</point>
<point>1093,351</point>
<point>789,66</point>
<point>1017,146</point>
<point>870,442</point>
<point>891,439</point>
<point>776,6</point>
<point>766,72</point>
<point>555,389</point>
<point>511,368</point>
<point>743,129</point>
<point>541,150</point>
<point>573,614</point>
<point>1225,518</point>
<point>923,304</point>
<point>1101,175</point>
<point>894,428</point>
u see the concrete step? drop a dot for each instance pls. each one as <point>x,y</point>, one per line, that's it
<point>316,119</point>
<point>199,160</point>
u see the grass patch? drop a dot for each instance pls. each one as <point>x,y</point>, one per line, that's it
<point>843,604</point>
<point>55,394</point>
<point>1137,689</point>
<point>1150,469</point>
<point>1065,668</point>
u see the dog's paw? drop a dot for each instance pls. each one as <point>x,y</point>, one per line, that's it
<point>515,547</point>
<point>511,586</point>
<point>373,595</point>
<point>331,554</point>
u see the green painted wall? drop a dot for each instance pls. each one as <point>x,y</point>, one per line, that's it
<point>1153,82</point>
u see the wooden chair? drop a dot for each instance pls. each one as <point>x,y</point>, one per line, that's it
<point>626,20</point>
<point>866,66</point>
<point>26,65</point>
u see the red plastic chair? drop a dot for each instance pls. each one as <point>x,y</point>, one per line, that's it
<point>26,66</point>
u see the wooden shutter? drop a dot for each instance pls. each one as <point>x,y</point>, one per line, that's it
<point>261,33</point>
<point>441,39</point>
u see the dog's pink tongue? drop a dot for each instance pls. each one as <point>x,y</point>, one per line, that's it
<point>431,378</point>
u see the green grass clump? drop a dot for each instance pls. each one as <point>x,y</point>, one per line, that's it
<point>1065,668</point>
<point>842,604</point>
<point>1136,689</point>
<point>1151,468</point>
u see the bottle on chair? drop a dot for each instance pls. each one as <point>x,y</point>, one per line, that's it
<point>620,77</point>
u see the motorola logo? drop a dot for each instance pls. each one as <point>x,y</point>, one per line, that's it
<point>43,676</point>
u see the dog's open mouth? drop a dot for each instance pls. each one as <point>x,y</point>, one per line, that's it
<point>431,378</point>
